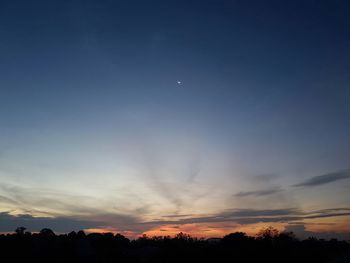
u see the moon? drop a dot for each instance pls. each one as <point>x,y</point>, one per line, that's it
<point>178,82</point>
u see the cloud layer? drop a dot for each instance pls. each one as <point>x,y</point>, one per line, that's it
<point>259,192</point>
<point>60,224</point>
<point>252,216</point>
<point>325,178</point>
<point>134,225</point>
<point>73,212</point>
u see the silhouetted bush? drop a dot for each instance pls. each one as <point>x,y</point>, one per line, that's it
<point>268,246</point>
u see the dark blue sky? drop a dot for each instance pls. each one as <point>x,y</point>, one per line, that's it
<point>89,103</point>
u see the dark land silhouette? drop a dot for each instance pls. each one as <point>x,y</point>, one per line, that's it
<point>268,246</point>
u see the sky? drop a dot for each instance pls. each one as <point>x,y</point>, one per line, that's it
<point>155,117</point>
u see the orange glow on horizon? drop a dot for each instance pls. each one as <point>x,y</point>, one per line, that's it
<point>212,230</point>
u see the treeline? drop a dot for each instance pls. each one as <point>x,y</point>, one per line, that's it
<point>268,246</point>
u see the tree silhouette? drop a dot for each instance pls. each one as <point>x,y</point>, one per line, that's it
<point>47,232</point>
<point>268,233</point>
<point>268,246</point>
<point>20,230</point>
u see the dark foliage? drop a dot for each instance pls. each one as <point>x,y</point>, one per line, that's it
<point>268,246</point>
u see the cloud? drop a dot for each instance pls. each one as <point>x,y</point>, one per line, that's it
<point>237,215</point>
<point>252,216</point>
<point>6,200</point>
<point>259,192</point>
<point>255,212</point>
<point>67,211</point>
<point>299,229</point>
<point>41,198</point>
<point>71,213</point>
<point>172,216</point>
<point>329,210</point>
<point>133,224</point>
<point>60,224</point>
<point>325,178</point>
<point>121,222</point>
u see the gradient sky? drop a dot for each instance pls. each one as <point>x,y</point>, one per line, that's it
<point>97,134</point>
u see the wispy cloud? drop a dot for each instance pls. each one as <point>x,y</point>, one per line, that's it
<point>252,216</point>
<point>7,200</point>
<point>325,178</point>
<point>258,212</point>
<point>259,192</point>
